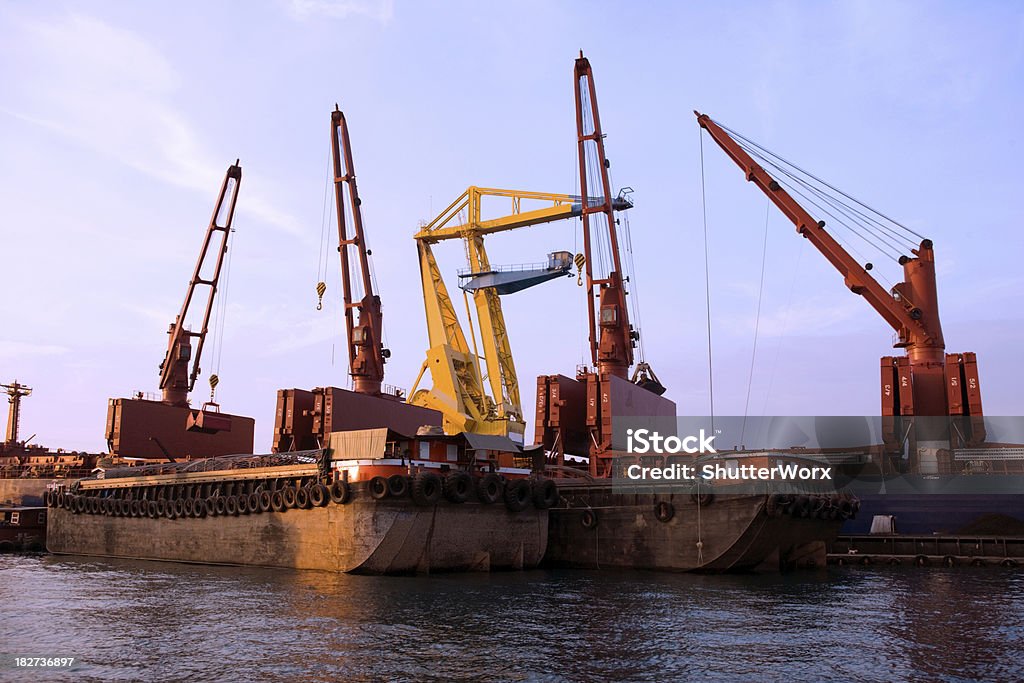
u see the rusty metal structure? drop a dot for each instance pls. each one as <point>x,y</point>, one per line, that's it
<point>170,428</point>
<point>304,419</point>
<point>575,415</point>
<point>366,353</point>
<point>15,392</point>
<point>926,381</point>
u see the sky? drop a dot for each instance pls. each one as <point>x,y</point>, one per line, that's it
<point>118,120</point>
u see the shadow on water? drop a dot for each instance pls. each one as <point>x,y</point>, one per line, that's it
<point>127,620</point>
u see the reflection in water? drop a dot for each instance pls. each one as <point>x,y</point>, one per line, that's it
<point>128,620</point>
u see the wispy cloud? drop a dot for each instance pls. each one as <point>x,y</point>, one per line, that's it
<point>379,10</point>
<point>15,350</point>
<point>109,90</point>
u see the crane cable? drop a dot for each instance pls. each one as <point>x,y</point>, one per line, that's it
<point>321,259</point>
<point>219,318</point>
<point>757,321</point>
<point>707,279</point>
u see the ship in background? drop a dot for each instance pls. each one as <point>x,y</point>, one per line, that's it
<point>26,469</point>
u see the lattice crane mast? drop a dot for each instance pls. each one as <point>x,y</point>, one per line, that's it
<point>366,352</point>
<point>176,378</point>
<point>926,381</point>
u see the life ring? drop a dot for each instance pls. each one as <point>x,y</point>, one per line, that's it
<point>545,494</point>
<point>517,495</point>
<point>664,511</point>
<point>378,488</point>
<point>457,486</point>
<point>426,488</point>
<point>588,519</point>
<point>398,486</point>
<point>277,502</point>
<point>340,492</point>
<point>489,488</point>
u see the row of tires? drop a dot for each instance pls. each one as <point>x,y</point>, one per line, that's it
<point>926,561</point>
<point>427,488</point>
<point>815,506</point>
<point>281,500</point>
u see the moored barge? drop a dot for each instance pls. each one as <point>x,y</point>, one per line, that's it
<point>365,505</point>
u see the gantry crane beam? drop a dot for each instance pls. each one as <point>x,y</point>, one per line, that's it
<point>459,388</point>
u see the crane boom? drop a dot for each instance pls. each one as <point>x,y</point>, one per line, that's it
<point>366,354</point>
<point>920,384</point>
<point>176,380</point>
<point>611,336</point>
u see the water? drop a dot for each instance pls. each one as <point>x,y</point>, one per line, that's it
<point>127,620</point>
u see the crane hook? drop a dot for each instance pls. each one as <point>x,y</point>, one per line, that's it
<point>214,381</point>
<point>580,260</point>
<point>321,287</point>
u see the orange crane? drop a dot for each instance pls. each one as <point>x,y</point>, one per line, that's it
<point>305,418</point>
<point>575,416</point>
<point>926,381</point>
<point>176,380</point>
<point>366,353</point>
<point>170,428</point>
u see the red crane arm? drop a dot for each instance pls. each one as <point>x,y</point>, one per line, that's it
<point>905,316</point>
<point>175,379</point>
<point>611,336</point>
<point>366,354</point>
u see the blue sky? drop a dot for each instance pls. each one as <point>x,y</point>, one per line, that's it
<point>117,121</point>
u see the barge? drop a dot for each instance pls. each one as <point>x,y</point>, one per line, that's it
<point>365,505</point>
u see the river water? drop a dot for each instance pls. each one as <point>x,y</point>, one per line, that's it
<point>130,620</point>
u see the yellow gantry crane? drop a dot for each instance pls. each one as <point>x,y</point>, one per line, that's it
<point>459,389</point>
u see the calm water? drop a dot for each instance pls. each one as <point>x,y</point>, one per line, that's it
<point>127,620</point>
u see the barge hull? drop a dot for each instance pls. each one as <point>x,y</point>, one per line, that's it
<point>363,536</point>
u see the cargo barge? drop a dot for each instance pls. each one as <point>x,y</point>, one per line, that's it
<point>703,528</point>
<point>379,512</point>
